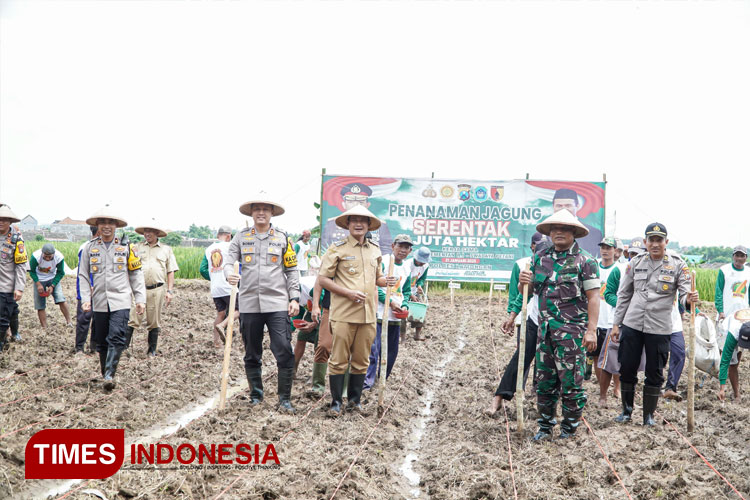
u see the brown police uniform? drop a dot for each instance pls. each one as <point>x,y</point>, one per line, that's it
<point>357,267</point>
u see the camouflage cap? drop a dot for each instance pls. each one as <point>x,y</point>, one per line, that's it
<point>403,238</point>
<point>608,241</point>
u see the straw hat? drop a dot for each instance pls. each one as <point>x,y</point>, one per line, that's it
<point>105,213</point>
<point>152,224</point>
<point>358,210</point>
<point>7,213</point>
<point>563,218</point>
<point>261,197</point>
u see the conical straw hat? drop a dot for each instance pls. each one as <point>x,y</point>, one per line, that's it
<point>261,197</point>
<point>105,213</point>
<point>152,224</point>
<point>7,213</point>
<point>358,210</point>
<point>563,218</point>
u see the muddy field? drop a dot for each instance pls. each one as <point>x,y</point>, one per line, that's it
<point>433,442</point>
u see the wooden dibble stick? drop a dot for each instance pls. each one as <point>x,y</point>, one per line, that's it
<point>228,343</point>
<point>521,357</point>
<point>691,363</point>
<point>384,341</point>
<point>450,286</point>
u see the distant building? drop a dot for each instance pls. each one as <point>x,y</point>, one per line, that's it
<point>28,223</point>
<point>70,227</point>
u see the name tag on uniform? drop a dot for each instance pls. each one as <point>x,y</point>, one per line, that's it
<point>666,279</point>
<point>349,257</point>
<point>640,276</point>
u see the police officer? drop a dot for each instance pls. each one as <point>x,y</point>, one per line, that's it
<point>566,280</point>
<point>13,260</point>
<point>351,271</point>
<point>159,265</point>
<point>643,318</point>
<point>269,293</point>
<point>109,271</point>
<point>352,195</point>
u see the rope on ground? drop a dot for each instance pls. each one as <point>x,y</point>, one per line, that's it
<point>606,458</point>
<point>294,427</point>
<point>700,455</point>
<point>26,373</point>
<point>75,489</point>
<point>510,455</point>
<point>88,377</point>
<point>362,447</point>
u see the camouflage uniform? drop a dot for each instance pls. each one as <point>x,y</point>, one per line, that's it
<point>560,280</point>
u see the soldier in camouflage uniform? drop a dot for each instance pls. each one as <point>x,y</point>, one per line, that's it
<point>566,280</point>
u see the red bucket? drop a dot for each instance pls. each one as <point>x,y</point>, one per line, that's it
<point>299,323</point>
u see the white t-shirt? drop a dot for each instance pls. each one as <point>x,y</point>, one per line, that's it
<point>403,273</point>
<point>416,273</point>
<point>735,288</point>
<point>217,256</point>
<point>304,250</point>
<point>306,288</point>
<point>46,270</point>
<point>606,311</point>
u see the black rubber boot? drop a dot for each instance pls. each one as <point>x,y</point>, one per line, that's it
<point>255,380</point>
<point>113,359</point>
<point>128,336</point>
<point>569,423</point>
<point>627,393</point>
<point>650,400</point>
<point>546,422</point>
<point>286,376</point>
<point>14,335</point>
<point>153,337</point>
<point>336,382</point>
<point>103,358</point>
<point>589,368</point>
<point>356,383</point>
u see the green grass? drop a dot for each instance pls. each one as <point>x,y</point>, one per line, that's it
<point>705,283</point>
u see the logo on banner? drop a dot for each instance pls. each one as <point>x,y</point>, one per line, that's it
<point>496,193</point>
<point>464,192</point>
<point>480,193</point>
<point>446,191</point>
<point>74,453</point>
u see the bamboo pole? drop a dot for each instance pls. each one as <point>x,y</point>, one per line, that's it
<point>489,299</point>
<point>228,342</point>
<point>450,285</point>
<point>384,341</point>
<point>521,358</point>
<point>691,364</point>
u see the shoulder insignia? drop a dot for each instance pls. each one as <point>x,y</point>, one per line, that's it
<point>340,242</point>
<point>290,256</point>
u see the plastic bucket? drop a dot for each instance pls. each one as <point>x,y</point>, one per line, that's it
<point>417,312</point>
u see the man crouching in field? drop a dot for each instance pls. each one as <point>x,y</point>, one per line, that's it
<point>566,280</point>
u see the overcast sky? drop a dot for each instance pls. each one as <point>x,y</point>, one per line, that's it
<point>184,110</point>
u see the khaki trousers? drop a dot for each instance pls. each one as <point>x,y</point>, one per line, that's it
<point>154,303</point>
<point>351,341</point>
<point>325,340</point>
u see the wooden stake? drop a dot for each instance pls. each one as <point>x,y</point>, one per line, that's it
<point>489,299</point>
<point>451,289</point>
<point>691,364</point>
<point>228,343</point>
<point>521,358</point>
<point>384,341</point>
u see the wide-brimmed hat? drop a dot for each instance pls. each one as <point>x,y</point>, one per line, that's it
<point>105,213</point>
<point>563,218</point>
<point>7,213</point>
<point>341,220</point>
<point>152,224</point>
<point>262,197</point>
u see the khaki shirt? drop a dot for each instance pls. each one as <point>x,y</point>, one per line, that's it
<point>357,267</point>
<point>157,262</point>
<point>12,275</point>
<point>113,283</point>
<point>647,293</point>
<point>266,283</point>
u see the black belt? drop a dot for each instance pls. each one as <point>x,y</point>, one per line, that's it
<point>151,287</point>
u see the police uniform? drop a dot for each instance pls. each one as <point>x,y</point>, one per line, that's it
<point>115,273</point>
<point>645,301</point>
<point>13,259</point>
<point>157,262</point>
<point>269,281</point>
<point>561,280</point>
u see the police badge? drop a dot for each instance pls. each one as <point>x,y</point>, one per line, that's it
<point>464,192</point>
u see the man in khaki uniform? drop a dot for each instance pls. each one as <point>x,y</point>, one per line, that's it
<point>268,295</point>
<point>13,260</point>
<point>351,270</point>
<point>114,271</point>
<point>158,264</point>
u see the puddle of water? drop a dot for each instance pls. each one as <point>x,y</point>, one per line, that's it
<point>407,468</point>
<point>172,424</point>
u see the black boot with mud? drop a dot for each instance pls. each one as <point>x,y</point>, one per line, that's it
<point>103,358</point>
<point>546,423</point>
<point>113,359</point>
<point>589,368</point>
<point>356,383</point>
<point>255,382</point>
<point>286,375</point>
<point>153,338</point>
<point>650,400</point>
<point>627,393</point>
<point>14,335</point>
<point>336,382</point>
<point>569,424</point>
